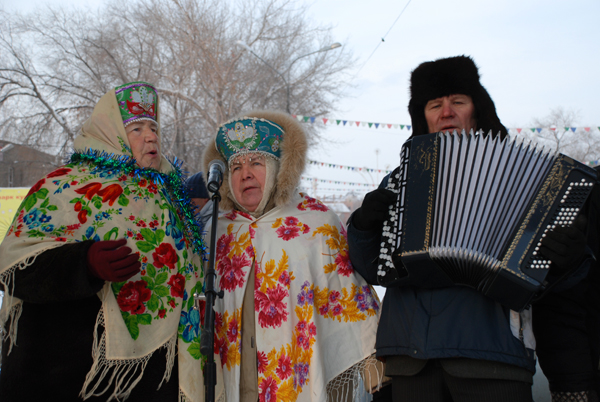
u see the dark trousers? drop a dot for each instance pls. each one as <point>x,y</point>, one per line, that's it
<point>433,384</point>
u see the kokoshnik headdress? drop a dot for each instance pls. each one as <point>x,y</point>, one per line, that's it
<point>137,101</point>
<point>247,135</point>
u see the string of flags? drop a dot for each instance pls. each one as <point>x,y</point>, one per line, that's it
<point>349,123</point>
<point>353,168</point>
<point>539,130</point>
<point>346,183</point>
<point>376,125</point>
<point>345,189</point>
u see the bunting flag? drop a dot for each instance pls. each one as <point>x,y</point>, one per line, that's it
<point>328,121</point>
<point>352,168</point>
<point>346,183</point>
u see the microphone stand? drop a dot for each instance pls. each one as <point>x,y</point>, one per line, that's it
<point>207,338</point>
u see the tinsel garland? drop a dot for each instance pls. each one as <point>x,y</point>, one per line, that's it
<point>172,182</point>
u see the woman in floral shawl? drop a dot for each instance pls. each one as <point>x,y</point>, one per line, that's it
<point>99,268</point>
<point>296,323</point>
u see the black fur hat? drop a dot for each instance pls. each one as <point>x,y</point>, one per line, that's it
<point>443,77</point>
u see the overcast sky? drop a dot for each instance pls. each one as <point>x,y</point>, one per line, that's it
<point>533,56</point>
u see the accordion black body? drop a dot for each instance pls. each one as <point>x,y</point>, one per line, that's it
<point>472,210</point>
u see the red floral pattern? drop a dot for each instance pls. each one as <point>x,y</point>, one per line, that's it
<point>111,193</point>
<point>231,271</point>
<point>288,232</point>
<point>132,297</point>
<point>268,390</point>
<point>177,283</point>
<point>272,311</point>
<point>285,362</point>
<point>263,361</point>
<point>89,190</point>
<point>284,367</point>
<point>36,187</point>
<point>165,254</point>
<point>99,207</point>
<point>59,172</point>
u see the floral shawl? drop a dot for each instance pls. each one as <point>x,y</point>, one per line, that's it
<point>101,194</point>
<point>315,317</point>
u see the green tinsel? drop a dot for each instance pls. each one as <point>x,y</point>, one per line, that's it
<point>172,182</point>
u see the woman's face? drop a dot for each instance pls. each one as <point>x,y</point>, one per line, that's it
<point>248,175</point>
<point>144,141</point>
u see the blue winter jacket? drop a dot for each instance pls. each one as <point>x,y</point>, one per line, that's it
<point>446,322</point>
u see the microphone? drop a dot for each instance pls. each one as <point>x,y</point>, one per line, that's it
<point>216,169</point>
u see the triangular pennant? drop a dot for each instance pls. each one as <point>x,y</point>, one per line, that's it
<point>408,127</point>
<point>312,119</point>
<point>364,123</point>
<point>553,128</point>
<point>370,125</point>
<point>294,116</point>
<point>325,120</point>
<point>586,128</point>
<point>566,128</point>
<point>401,126</point>
<point>539,130</point>
<point>573,129</point>
<point>389,125</point>
<point>519,130</point>
<point>532,130</point>
<point>338,122</point>
<point>357,123</point>
<point>306,118</point>
<point>299,117</point>
<point>396,126</point>
<point>345,121</point>
<point>376,125</point>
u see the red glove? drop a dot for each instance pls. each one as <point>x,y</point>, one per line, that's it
<point>107,260</point>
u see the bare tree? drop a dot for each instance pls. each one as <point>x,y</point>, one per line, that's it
<point>559,131</point>
<point>56,63</point>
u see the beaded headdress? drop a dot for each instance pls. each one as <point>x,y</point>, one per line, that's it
<point>249,135</point>
<point>137,101</point>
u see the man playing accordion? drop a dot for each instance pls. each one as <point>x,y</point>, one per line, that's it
<point>451,343</point>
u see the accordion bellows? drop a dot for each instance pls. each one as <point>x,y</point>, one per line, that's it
<point>472,210</point>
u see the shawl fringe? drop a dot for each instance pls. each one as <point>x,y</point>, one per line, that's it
<point>7,280</point>
<point>355,383</point>
<point>123,374</point>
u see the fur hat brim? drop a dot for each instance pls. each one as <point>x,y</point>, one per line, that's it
<point>449,76</point>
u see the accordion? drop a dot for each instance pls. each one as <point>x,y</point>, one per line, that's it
<point>472,210</point>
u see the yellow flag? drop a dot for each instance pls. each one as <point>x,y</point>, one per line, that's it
<point>10,199</point>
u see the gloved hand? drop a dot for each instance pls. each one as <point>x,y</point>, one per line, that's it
<point>565,246</point>
<point>107,260</point>
<point>374,210</point>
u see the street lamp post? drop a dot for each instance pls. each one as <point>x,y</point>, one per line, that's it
<point>288,69</point>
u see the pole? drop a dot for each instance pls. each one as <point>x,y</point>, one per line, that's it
<point>207,338</point>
